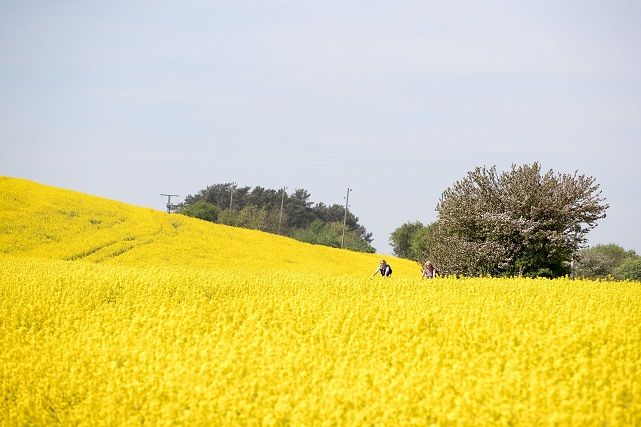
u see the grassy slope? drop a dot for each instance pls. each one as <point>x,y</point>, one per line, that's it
<point>43,221</point>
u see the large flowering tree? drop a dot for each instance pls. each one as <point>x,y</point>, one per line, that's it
<point>518,222</point>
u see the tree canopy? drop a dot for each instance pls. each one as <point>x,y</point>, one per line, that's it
<point>608,261</point>
<point>410,240</point>
<point>259,208</point>
<point>518,222</point>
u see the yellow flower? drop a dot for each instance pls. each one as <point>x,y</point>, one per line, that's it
<point>115,315</point>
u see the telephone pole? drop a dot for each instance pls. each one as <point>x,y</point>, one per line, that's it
<point>231,194</point>
<point>169,196</point>
<point>282,201</point>
<point>345,218</point>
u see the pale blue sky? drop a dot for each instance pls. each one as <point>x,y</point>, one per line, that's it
<point>397,100</point>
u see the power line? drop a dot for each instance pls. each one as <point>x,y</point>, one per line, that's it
<point>169,196</point>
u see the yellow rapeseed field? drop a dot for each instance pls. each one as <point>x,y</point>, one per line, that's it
<point>112,314</point>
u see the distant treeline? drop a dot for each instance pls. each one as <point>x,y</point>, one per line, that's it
<point>260,208</point>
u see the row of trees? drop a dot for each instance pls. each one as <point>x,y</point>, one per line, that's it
<point>260,208</point>
<point>521,222</point>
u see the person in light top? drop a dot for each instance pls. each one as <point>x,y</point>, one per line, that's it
<point>384,268</point>
<point>429,271</point>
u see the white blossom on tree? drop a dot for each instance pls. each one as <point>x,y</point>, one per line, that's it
<point>519,222</point>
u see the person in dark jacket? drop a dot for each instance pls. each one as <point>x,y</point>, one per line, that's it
<point>384,268</point>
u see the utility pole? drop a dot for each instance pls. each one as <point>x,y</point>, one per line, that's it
<point>282,201</point>
<point>231,195</point>
<point>345,218</point>
<point>169,196</point>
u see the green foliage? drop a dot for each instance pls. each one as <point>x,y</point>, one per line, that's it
<point>614,252</point>
<point>319,233</point>
<point>200,209</point>
<point>421,241</point>
<point>593,265</point>
<point>251,217</point>
<point>401,239</point>
<point>519,222</point>
<point>331,234</point>
<point>259,208</point>
<point>228,217</point>
<point>411,240</point>
<point>603,261</point>
<point>629,269</point>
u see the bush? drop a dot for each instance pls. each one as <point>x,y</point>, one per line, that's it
<point>629,269</point>
<point>202,210</point>
<point>602,261</point>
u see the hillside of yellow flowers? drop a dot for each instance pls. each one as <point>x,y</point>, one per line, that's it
<point>47,222</point>
<point>112,314</point>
